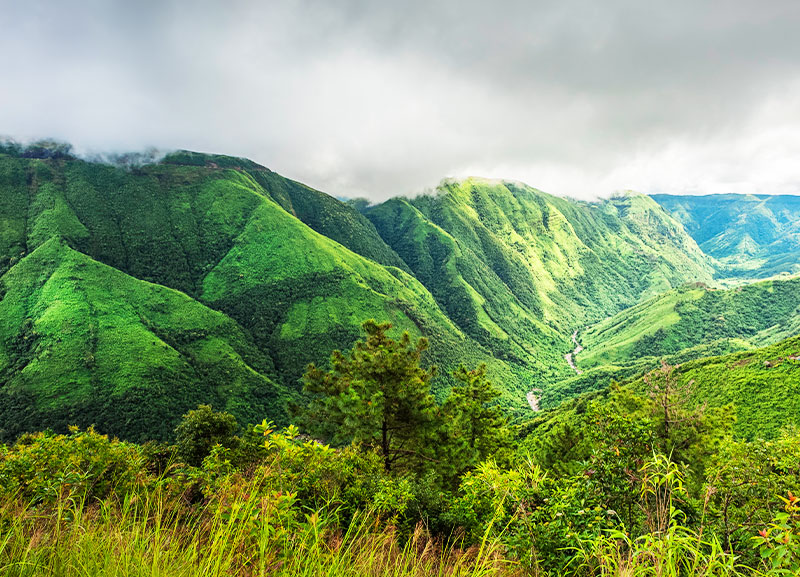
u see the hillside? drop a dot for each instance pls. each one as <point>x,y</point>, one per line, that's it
<point>85,343</point>
<point>751,236</point>
<point>204,226</point>
<point>519,270</point>
<point>678,326</point>
<point>748,316</point>
<point>493,272</point>
<point>763,385</point>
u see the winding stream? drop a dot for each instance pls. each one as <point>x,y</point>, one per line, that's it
<point>534,395</point>
<point>570,357</point>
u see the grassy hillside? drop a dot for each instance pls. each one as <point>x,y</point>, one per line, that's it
<point>493,272</point>
<point>519,270</point>
<point>691,316</point>
<point>83,343</point>
<point>762,384</point>
<point>752,236</point>
<point>211,228</point>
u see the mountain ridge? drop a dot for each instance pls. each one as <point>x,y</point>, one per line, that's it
<point>491,271</point>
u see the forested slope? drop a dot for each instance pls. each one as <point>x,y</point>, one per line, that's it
<point>763,386</point>
<point>519,269</point>
<point>278,274</point>
<point>205,226</point>
<point>84,343</point>
<point>751,315</point>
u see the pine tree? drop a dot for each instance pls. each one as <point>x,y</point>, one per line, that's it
<point>376,395</point>
<point>476,424</point>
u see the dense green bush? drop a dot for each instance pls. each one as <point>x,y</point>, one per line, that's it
<point>43,468</point>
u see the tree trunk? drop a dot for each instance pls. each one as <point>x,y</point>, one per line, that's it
<point>387,465</point>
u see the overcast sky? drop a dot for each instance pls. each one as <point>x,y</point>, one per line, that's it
<point>377,98</point>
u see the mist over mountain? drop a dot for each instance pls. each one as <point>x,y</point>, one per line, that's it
<point>96,258</point>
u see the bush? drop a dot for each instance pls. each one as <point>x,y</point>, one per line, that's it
<point>42,467</point>
<point>200,430</point>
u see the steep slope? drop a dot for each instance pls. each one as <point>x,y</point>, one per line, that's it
<point>763,385</point>
<point>491,272</point>
<point>756,314</point>
<point>519,270</point>
<point>323,213</point>
<point>82,343</point>
<point>752,236</point>
<point>207,226</point>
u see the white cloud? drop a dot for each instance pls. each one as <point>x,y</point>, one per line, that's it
<point>364,98</point>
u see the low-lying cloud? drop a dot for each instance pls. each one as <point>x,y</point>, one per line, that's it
<point>375,99</point>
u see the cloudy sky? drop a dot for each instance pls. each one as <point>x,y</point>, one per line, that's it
<point>379,98</point>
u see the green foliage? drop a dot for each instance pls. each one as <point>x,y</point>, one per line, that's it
<point>277,500</point>
<point>475,426</point>
<point>377,395</point>
<point>760,386</point>
<point>518,270</point>
<point>43,469</point>
<point>743,480</point>
<point>201,429</point>
<point>780,543</point>
<point>694,317</point>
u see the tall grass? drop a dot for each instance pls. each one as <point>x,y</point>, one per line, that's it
<point>153,535</point>
<point>115,524</point>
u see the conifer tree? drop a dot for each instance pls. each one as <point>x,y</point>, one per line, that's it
<point>477,426</point>
<point>376,395</point>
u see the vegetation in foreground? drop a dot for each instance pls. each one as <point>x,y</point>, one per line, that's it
<point>621,483</point>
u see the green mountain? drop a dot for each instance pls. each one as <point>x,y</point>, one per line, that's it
<point>519,270</point>
<point>206,278</point>
<point>748,316</point>
<point>211,228</point>
<point>751,236</point>
<point>86,343</point>
<point>691,322</point>
<point>763,385</point>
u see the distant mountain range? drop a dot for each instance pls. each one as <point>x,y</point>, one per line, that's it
<point>132,294</point>
<point>749,236</point>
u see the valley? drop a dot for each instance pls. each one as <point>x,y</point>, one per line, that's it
<point>492,271</point>
<point>214,316</point>
<point>570,357</point>
<point>399,289</point>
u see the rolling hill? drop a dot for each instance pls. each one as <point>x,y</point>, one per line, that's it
<point>763,385</point>
<point>85,343</point>
<point>205,227</point>
<point>519,270</point>
<point>748,316</point>
<point>681,325</point>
